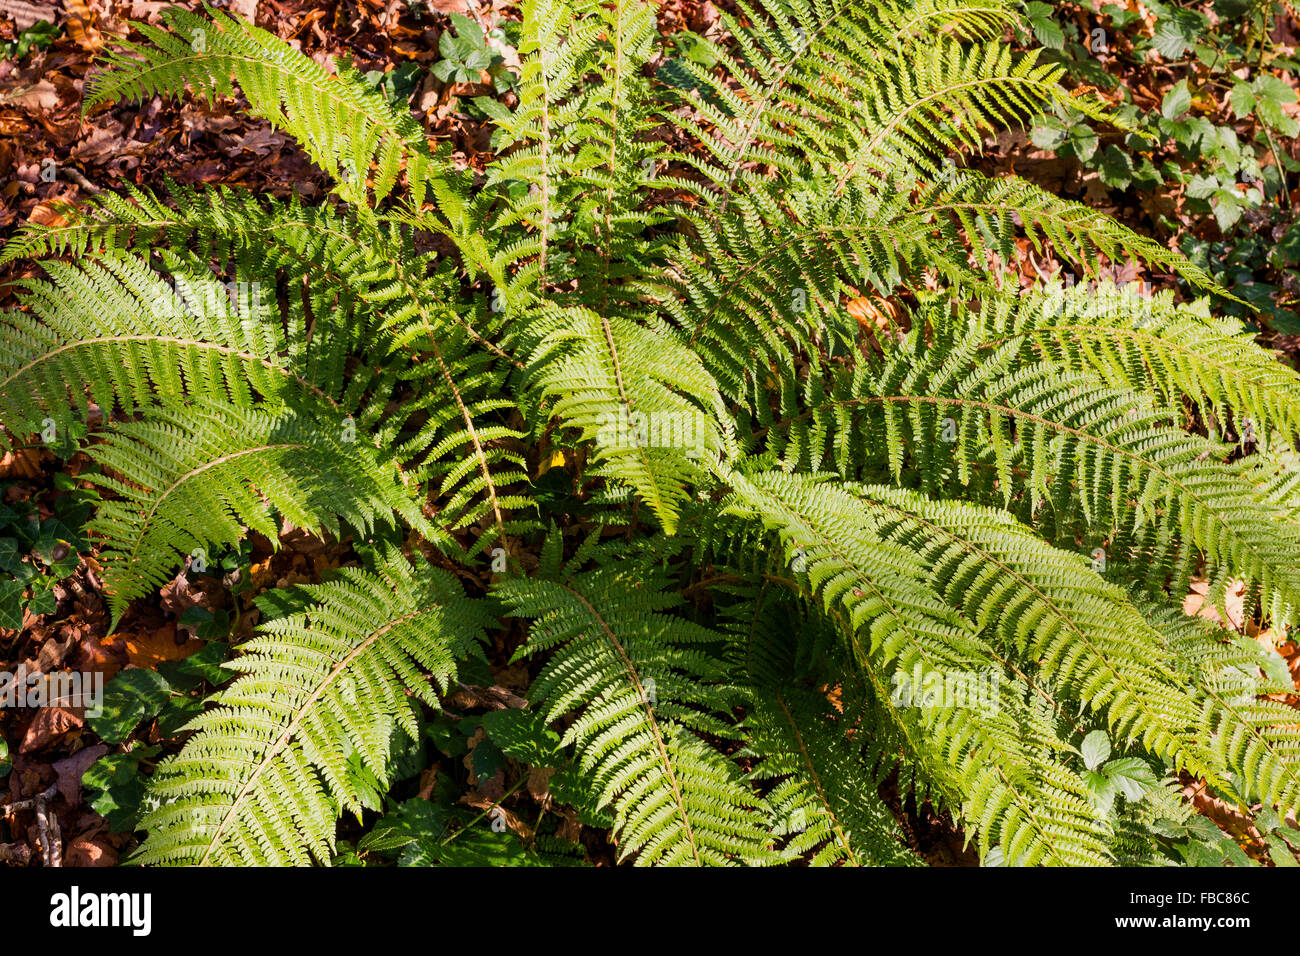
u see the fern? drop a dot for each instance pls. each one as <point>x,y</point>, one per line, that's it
<point>198,479</point>
<point>796,557</point>
<point>344,127</point>
<point>643,683</point>
<point>268,771</point>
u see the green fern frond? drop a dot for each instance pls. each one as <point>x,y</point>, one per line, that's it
<point>112,331</point>
<point>645,401</point>
<point>1066,438</point>
<point>201,477</point>
<point>322,691</point>
<point>821,787</point>
<point>1149,343</point>
<point>349,130</point>
<point>993,761</point>
<point>644,682</point>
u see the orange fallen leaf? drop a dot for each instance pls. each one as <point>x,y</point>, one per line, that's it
<point>23,463</point>
<point>45,214</point>
<point>80,26</point>
<point>149,648</point>
<point>873,312</point>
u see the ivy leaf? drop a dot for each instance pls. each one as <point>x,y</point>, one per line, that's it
<point>202,665</point>
<point>205,624</point>
<point>115,788</point>
<point>1116,167</point>
<point>39,35</point>
<point>10,556</point>
<point>523,735</point>
<point>11,605</point>
<point>130,697</point>
<point>43,600</point>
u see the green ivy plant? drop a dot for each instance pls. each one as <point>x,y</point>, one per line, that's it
<point>1180,149</point>
<point>36,553</point>
<point>466,56</point>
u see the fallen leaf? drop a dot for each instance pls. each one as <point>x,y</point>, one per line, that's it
<point>86,851</point>
<point>49,724</point>
<point>1195,605</point>
<point>26,13</point>
<point>149,648</point>
<point>71,769</point>
<point>40,96</point>
<point>81,26</point>
<point>44,214</point>
<point>23,463</point>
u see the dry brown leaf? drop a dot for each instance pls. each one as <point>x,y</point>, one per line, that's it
<point>27,13</point>
<point>45,214</point>
<point>149,648</point>
<point>49,724</point>
<point>451,6</point>
<point>23,463</point>
<point>40,96</point>
<point>89,851</point>
<point>1196,605</point>
<point>71,769</point>
<point>81,26</point>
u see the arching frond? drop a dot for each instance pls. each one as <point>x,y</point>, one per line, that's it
<point>322,691</point>
<point>350,131</point>
<point>202,476</point>
<point>644,682</point>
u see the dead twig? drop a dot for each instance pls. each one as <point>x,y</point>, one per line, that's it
<point>47,824</point>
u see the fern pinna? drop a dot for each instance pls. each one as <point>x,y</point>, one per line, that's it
<point>793,560</point>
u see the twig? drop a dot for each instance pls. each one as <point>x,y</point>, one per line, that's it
<point>47,824</point>
<point>1281,169</point>
<point>68,172</point>
<point>486,810</point>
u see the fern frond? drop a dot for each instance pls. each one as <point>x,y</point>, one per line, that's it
<point>199,478</point>
<point>757,284</point>
<point>348,129</point>
<point>822,790</point>
<point>323,689</point>
<point>643,681</point>
<point>1150,343</point>
<point>113,332</point>
<point>1067,438</point>
<point>646,402</point>
<point>993,760</point>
